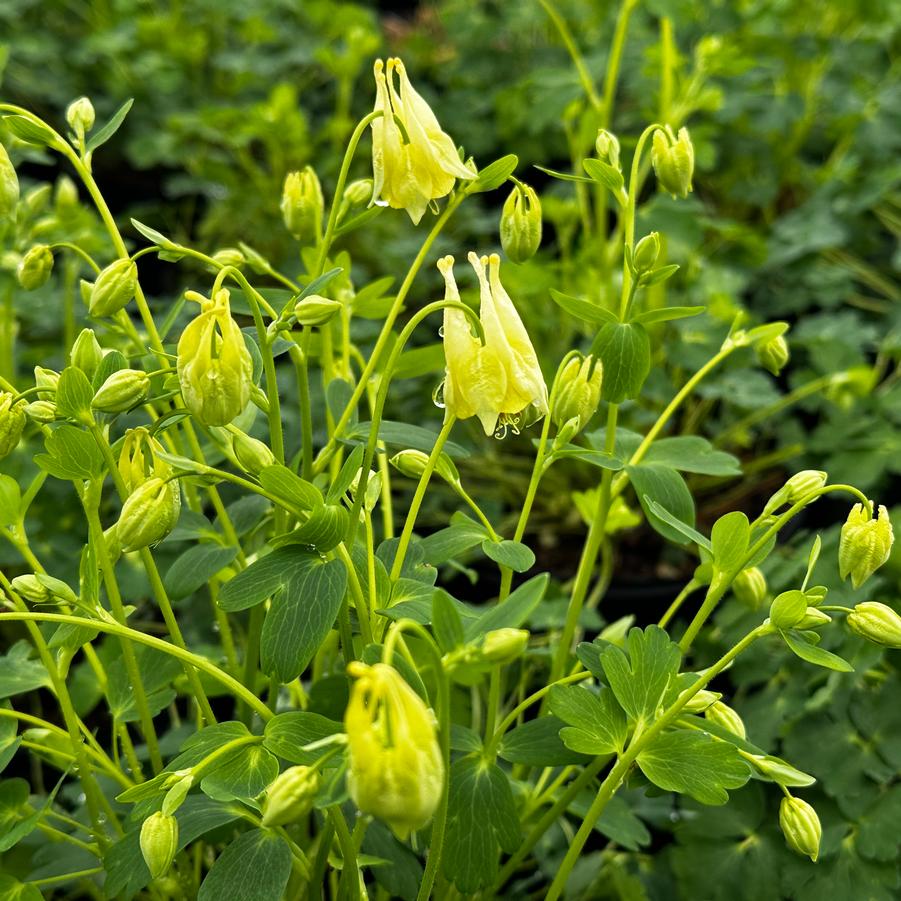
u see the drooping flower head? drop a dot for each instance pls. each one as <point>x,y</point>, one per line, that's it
<point>396,769</point>
<point>500,382</point>
<point>413,160</point>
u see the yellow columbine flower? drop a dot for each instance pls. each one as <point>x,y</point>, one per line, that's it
<point>500,382</point>
<point>396,769</point>
<point>413,160</point>
<point>215,369</point>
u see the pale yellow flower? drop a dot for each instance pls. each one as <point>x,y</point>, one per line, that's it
<point>413,160</point>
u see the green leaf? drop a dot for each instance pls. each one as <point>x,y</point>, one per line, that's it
<point>11,837</point>
<point>73,393</point>
<point>815,655</point>
<point>682,528</point>
<point>10,500</point>
<point>640,681</point>
<point>450,543</point>
<point>495,174</point>
<point>401,875</point>
<point>300,617</point>
<point>18,674</point>
<point>30,131</point>
<point>9,741</point>
<point>13,890</point>
<point>446,622</point>
<point>667,314</point>
<point>157,670</point>
<point>264,577</point>
<point>195,567</point>
<point>72,454</point>
<point>324,530</point>
<point>154,237</point>
<point>566,176</point>
<point>481,820</point>
<point>664,486</point>
<point>583,309</point>
<point>287,486</point>
<point>691,453</point>
<point>654,277</point>
<point>596,723</point>
<point>605,174</point>
<point>404,435</point>
<point>512,554</point>
<point>625,350</point>
<point>695,764</point>
<point>254,867</point>
<point>243,774</point>
<point>420,361</point>
<point>286,734</point>
<point>729,538</point>
<point>102,135</point>
<point>538,743</point>
<point>513,612</point>
<point>594,457</point>
<point>346,476</point>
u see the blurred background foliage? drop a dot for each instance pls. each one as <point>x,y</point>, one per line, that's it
<point>795,113</point>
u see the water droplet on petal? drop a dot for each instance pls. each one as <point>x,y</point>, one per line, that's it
<point>438,395</point>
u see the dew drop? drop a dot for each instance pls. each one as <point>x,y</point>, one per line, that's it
<point>438,395</point>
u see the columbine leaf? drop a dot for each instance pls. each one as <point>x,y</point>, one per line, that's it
<point>596,723</point>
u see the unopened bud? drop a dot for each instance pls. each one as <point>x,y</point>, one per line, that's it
<point>412,463</point>
<point>606,146</point>
<point>291,796</point>
<point>46,380</point>
<point>138,460</point>
<point>814,619</point>
<point>865,544</point>
<point>80,115</point>
<point>148,515</point>
<point>800,826</point>
<point>877,623</point>
<point>39,588</point>
<point>302,204</point>
<point>159,842</point>
<point>359,192</point>
<point>66,194</point>
<point>503,646</point>
<point>723,715</point>
<point>251,453</point>
<point>86,353</point>
<point>798,487</point>
<point>12,422</point>
<point>121,391</point>
<point>521,224</point>
<point>578,391</point>
<point>35,267</point>
<point>749,587</point>
<point>9,187</point>
<point>316,310</point>
<point>42,411</point>
<point>230,256</point>
<point>701,701</point>
<point>646,252</point>
<point>773,354</point>
<point>114,288</point>
<point>673,158</point>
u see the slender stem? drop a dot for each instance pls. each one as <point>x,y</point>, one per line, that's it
<point>66,877</point>
<point>570,44</point>
<point>350,873</point>
<point>673,608</point>
<point>613,61</point>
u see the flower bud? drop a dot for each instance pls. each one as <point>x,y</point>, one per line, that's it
<point>521,224</point>
<point>723,715</point>
<point>114,288</point>
<point>80,115</point>
<point>177,787</point>
<point>148,515</point>
<point>877,623</point>
<point>865,544</point>
<point>396,771</point>
<point>252,454</point>
<point>801,827</point>
<point>813,619</point>
<point>35,267</point>
<point>36,201</point>
<point>40,588</point>
<point>66,195</point>
<point>578,391</point>
<point>316,310</point>
<point>749,587</point>
<point>302,204</point>
<point>701,701</point>
<point>12,422</point>
<point>373,489</point>
<point>504,645</point>
<point>291,796</point>
<point>41,411</point>
<point>798,487</point>
<point>46,380</point>
<point>358,192</point>
<point>86,353</point>
<point>230,256</point>
<point>646,252</point>
<point>673,158</point>
<point>773,354</point>
<point>606,146</point>
<point>412,463</point>
<point>159,842</point>
<point>9,186</point>
<point>138,461</point>
<point>121,391</point>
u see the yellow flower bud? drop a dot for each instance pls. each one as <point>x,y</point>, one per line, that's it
<point>724,716</point>
<point>35,267</point>
<point>578,392</point>
<point>251,453</point>
<point>673,158</point>
<point>138,461</point>
<point>42,411</point>
<point>215,368</point>
<point>12,422</point>
<point>749,587</point>
<point>499,382</point>
<point>773,354</point>
<point>148,515</point>
<point>113,289</point>
<point>302,204</point>
<point>877,623</point>
<point>230,256</point>
<point>316,310</point>
<point>521,224</point>
<point>646,252</point>
<point>80,115</point>
<point>413,160</point>
<point>801,827</point>
<point>396,769</point>
<point>9,187</point>
<point>504,645</point>
<point>159,843</point>
<point>291,796</point>
<point>865,544</point>
<point>799,486</point>
<point>606,146</point>
<point>86,353</point>
<point>121,391</point>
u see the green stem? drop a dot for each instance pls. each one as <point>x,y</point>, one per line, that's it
<point>570,44</point>
<point>673,608</point>
<point>350,874</point>
<point>613,61</point>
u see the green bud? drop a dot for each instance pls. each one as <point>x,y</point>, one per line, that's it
<point>114,288</point>
<point>701,701</point>
<point>316,310</point>
<point>252,455</point>
<point>66,194</point>
<point>80,115</point>
<point>159,842</point>
<point>12,422</point>
<point>773,354</point>
<point>673,158</point>
<point>358,193</point>
<point>9,187</point>
<point>46,380</point>
<point>36,201</point>
<point>798,487</point>
<point>178,785</point>
<point>521,224</point>
<point>813,619</point>
<point>412,463</point>
<point>291,796</point>
<point>578,391</point>
<point>865,544</point>
<point>86,353</point>
<point>877,623</point>
<point>723,715</point>
<point>42,411</point>
<point>503,646</point>
<point>373,489</point>
<point>749,587</point>
<point>646,252</point>
<point>148,515</point>
<point>302,204</point>
<point>778,770</point>
<point>606,146</point>
<point>35,267</point>
<point>230,256</point>
<point>121,391</point>
<point>39,588</point>
<point>801,827</point>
